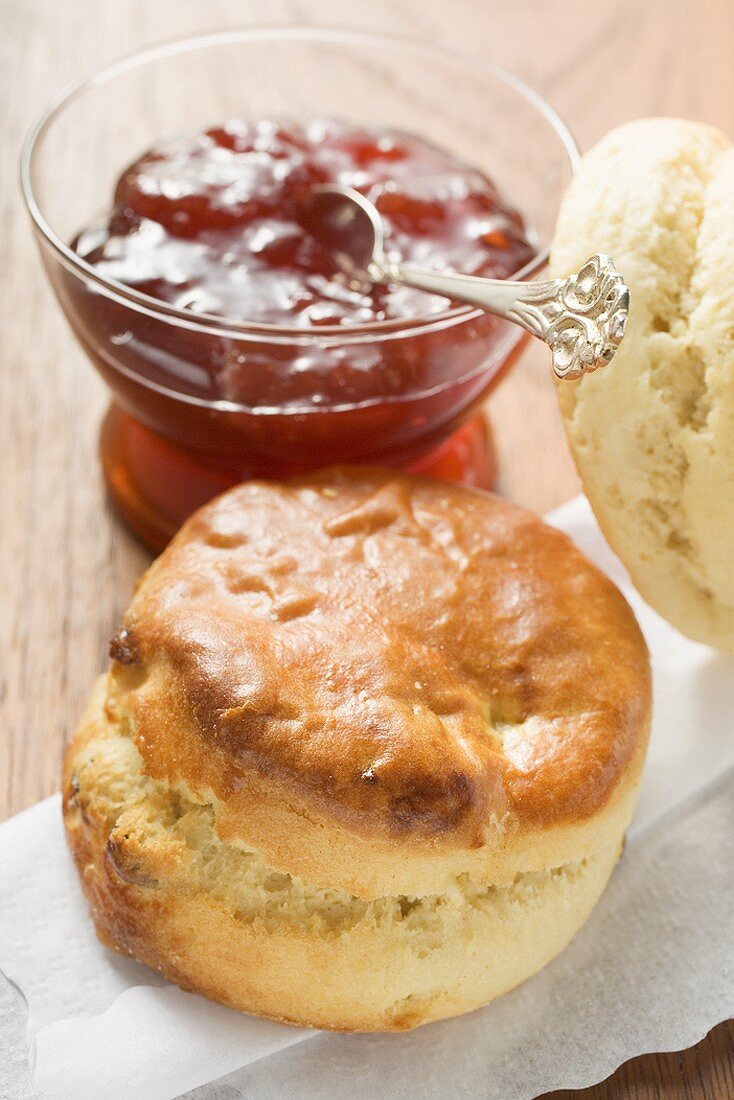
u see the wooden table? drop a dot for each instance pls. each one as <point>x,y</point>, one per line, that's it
<point>66,564</point>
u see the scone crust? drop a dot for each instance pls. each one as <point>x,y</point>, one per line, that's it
<point>653,433</point>
<point>381,682</point>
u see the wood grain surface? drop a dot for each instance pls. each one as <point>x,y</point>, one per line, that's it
<point>66,564</point>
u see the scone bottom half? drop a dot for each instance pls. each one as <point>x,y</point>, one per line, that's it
<point>365,754</point>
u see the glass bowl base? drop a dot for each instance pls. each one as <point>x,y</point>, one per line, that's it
<point>155,486</point>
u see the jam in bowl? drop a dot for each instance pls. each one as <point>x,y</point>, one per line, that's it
<point>233,344</point>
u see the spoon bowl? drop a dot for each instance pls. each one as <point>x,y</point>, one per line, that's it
<point>348,225</point>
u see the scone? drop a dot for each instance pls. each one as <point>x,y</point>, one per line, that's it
<point>365,754</point>
<point>653,433</point>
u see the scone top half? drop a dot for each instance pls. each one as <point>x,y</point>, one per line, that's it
<point>381,682</point>
<point>653,432</point>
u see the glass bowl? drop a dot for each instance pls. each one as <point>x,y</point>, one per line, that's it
<point>167,446</point>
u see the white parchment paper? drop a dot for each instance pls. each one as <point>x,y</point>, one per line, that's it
<point>652,970</point>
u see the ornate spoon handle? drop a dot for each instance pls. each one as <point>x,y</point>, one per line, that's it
<point>582,319</point>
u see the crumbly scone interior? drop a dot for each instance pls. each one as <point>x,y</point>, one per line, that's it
<point>654,433</point>
<point>159,836</point>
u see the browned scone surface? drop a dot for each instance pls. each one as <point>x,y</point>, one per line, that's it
<point>362,657</point>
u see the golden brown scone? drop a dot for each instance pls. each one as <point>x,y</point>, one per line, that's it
<point>653,433</point>
<point>365,754</point>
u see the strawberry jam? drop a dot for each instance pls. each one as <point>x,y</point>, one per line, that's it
<point>287,363</point>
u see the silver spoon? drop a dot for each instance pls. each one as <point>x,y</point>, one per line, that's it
<point>582,319</point>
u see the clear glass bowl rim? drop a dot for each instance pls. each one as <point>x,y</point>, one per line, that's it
<point>289,31</point>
